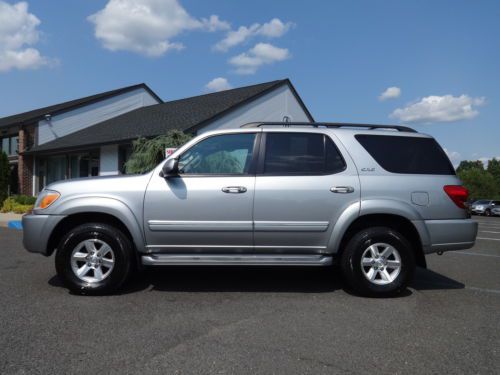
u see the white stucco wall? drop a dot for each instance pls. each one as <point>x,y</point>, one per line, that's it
<point>83,117</point>
<point>271,107</point>
<point>108,164</point>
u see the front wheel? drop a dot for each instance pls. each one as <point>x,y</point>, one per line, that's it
<point>378,262</point>
<point>94,259</point>
<point>487,212</point>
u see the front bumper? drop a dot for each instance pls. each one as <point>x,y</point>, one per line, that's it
<point>37,230</point>
<point>446,235</point>
<point>478,211</point>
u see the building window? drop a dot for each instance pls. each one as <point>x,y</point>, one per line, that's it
<point>9,145</point>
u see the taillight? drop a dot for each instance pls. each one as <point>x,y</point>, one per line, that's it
<point>457,193</point>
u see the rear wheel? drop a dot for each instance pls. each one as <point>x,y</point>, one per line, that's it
<point>94,258</point>
<point>378,261</point>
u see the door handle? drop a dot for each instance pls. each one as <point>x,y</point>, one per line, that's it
<point>342,189</point>
<point>234,189</point>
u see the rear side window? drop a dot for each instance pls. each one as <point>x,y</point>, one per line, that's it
<point>407,154</point>
<point>301,154</point>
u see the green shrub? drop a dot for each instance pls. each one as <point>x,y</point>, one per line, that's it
<point>24,199</point>
<point>10,205</point>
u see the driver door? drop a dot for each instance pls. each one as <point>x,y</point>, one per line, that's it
<point>208,206</point>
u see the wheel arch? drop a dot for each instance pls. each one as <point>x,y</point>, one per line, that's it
<point>397,222</point>
<point>105,210</point>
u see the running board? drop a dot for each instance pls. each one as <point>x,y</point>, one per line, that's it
<point>235,260</point>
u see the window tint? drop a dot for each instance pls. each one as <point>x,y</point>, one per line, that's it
<point>301,154</point>
<point>223,154</point>
<point>407,154</point>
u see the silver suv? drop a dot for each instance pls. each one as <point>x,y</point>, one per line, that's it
<point>372,199</point>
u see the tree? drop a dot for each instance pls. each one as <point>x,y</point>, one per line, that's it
<point>4,176</point>
<point>469,164</point>
<point>147,153</point>
<point>494,169</point>
<point>480,183</point>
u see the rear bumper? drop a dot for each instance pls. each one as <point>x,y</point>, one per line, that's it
<point>37,230</point>
<point>446,235</point>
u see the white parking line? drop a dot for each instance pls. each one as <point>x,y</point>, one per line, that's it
<point>495,291</point>
<point>488,231</point>
<point>487,238</point>
<point>478,254</point>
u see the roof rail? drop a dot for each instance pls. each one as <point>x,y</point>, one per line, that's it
<point>329,125</point>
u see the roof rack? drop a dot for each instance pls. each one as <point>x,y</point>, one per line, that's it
<point>330,125</point>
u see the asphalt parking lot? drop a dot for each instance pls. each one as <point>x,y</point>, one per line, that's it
<point>249,320</point>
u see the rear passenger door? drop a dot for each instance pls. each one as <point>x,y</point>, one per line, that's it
<point>303,184</point>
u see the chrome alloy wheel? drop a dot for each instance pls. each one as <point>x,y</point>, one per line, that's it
<point>92,260</point>
<point>381,263</point>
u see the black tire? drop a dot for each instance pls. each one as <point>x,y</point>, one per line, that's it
<point>122,249</point>
<point>352,270</point>
<point>487,212</point>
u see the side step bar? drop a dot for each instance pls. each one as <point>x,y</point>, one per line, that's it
<point>235,260</point>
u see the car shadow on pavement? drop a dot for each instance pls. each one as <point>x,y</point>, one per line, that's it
<point>426,279</point>
<point>258,279</point>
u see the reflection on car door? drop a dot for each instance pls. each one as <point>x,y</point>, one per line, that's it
<point>208,207</point>
<point>303,184</point>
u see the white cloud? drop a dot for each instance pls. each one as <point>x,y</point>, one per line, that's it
<point>454,156</point>
<point>390,93</point>
<point>18,30</point>
<point>444,108</point>
<point>214,23</point>
<point>272,29</point>
<point>218,84</point>
<point>260,54</point>
<point>147,26</point>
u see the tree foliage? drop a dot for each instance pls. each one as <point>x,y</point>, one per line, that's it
<point>147,153</point>
<point>481,182</point>
<point>4,176</point>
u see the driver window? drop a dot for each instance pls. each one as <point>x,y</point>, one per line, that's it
<point>222,154</point>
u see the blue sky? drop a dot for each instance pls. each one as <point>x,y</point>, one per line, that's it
<point>441,58</point>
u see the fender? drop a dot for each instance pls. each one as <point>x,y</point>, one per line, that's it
<point>376,206</point>
<point>106,205</point>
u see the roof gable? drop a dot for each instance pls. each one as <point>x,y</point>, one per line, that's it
<point>36,114</point>
<point>187,114</point>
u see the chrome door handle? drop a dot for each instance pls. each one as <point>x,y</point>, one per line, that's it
<point>342,189</point>
<point>234,189</point>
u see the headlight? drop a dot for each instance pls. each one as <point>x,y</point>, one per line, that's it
<point>46,198</point>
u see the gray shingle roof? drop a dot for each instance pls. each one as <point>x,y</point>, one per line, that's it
<point>36,114</point>
<point>185,114</point>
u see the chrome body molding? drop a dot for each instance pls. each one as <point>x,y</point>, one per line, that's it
<point>188,225</point>
<point>294,226</point>
<point>234,260</point>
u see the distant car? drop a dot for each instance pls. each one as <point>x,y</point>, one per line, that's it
<point>484,207</point>
<point>495,211</point>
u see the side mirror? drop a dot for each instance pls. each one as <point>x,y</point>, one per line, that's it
<point>170,168</point>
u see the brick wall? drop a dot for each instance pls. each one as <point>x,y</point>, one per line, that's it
<point>25,162</point>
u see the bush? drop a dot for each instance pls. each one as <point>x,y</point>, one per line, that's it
<point>24,199</point>
<point>10,205</point>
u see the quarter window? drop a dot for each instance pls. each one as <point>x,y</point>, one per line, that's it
<point>301,154</point>
<point>229,154</point>
<point>414,155</point>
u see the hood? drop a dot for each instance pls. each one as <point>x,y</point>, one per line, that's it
<point>101,185</point>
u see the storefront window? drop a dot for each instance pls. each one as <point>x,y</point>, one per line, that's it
<point>61,167</point>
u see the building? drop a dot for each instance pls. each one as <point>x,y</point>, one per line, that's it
<point>93,136</point>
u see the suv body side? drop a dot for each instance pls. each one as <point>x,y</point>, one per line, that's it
<point>420,199</point>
